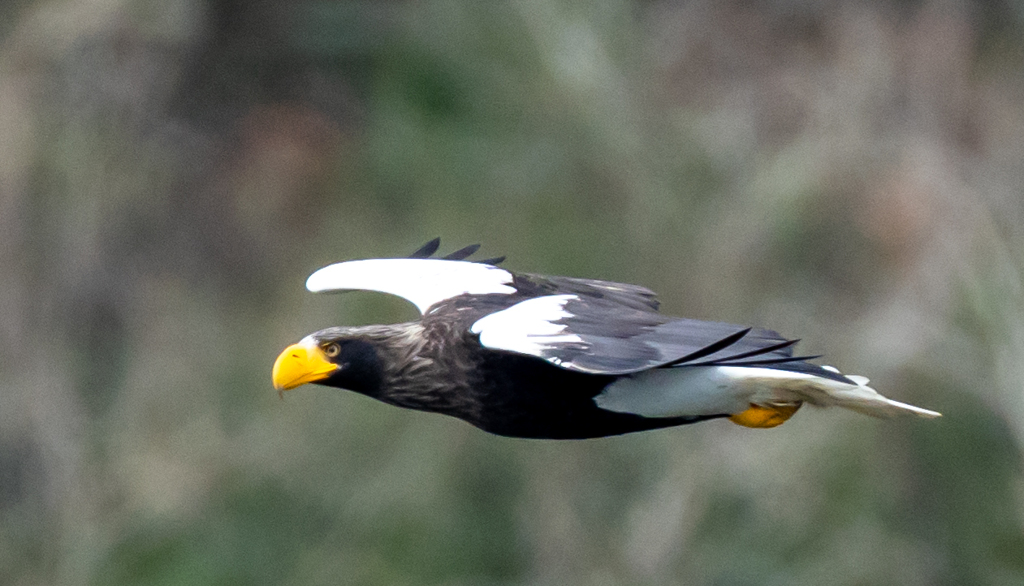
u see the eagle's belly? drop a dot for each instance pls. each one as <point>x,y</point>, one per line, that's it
<point>525,397</point>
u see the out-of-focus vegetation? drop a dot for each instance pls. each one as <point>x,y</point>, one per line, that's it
<point>170,172</point>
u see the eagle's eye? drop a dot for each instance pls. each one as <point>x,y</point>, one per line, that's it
<point>332,350</point>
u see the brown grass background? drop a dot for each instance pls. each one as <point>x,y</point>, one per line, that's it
<point>848,173</point>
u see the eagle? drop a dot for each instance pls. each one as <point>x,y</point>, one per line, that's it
<point>550,357</point>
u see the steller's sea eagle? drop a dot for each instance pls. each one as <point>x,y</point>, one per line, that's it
<point>533,356</point>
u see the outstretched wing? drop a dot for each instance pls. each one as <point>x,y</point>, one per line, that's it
<point>601,336</point>
<point>426,281</point>
<point>419,279</point>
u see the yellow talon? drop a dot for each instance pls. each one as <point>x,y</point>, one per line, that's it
<point>765,416</point>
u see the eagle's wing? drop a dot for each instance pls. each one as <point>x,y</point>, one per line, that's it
<point>615,295</point>
<point>422,281</point>
<point>600,335</point>
<point>749,366</point>
<point>426,281</point>
<point>585,325</point>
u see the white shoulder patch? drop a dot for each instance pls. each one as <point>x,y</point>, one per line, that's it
<point>527,327</point>
<point>423,282</point>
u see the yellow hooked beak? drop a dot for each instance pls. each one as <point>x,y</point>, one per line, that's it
<point>300,364</point>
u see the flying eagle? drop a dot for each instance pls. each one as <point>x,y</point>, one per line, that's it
<point>534,356</point>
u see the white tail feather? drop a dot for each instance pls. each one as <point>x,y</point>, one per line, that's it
<point>711,390</point>
<point>863,399</point>
<point>781,386</point>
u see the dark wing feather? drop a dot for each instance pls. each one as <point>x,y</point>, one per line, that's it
<point>618,295</point>
<point>783,348</point>
<point>463,253</point>
<point>492,261</point>
<point>427,249</point>
<point>713,348</point>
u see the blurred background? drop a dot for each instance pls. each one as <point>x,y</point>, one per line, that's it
<point>171,171</point>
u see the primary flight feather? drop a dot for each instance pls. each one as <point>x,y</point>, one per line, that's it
<point>557,357</point>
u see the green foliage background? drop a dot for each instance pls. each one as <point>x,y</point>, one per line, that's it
<point>171,171</point>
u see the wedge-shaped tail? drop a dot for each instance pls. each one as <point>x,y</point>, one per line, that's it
<point>863,399</point>
<point>710,390</point>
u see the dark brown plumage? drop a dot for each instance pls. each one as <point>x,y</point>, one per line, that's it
<point>557,357</point>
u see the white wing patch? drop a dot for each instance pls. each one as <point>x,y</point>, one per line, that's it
<point>717,390</point>
<point>423,282</point>
<point>527,327</point>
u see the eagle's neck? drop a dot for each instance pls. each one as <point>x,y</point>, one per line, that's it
<point>417,371</point>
